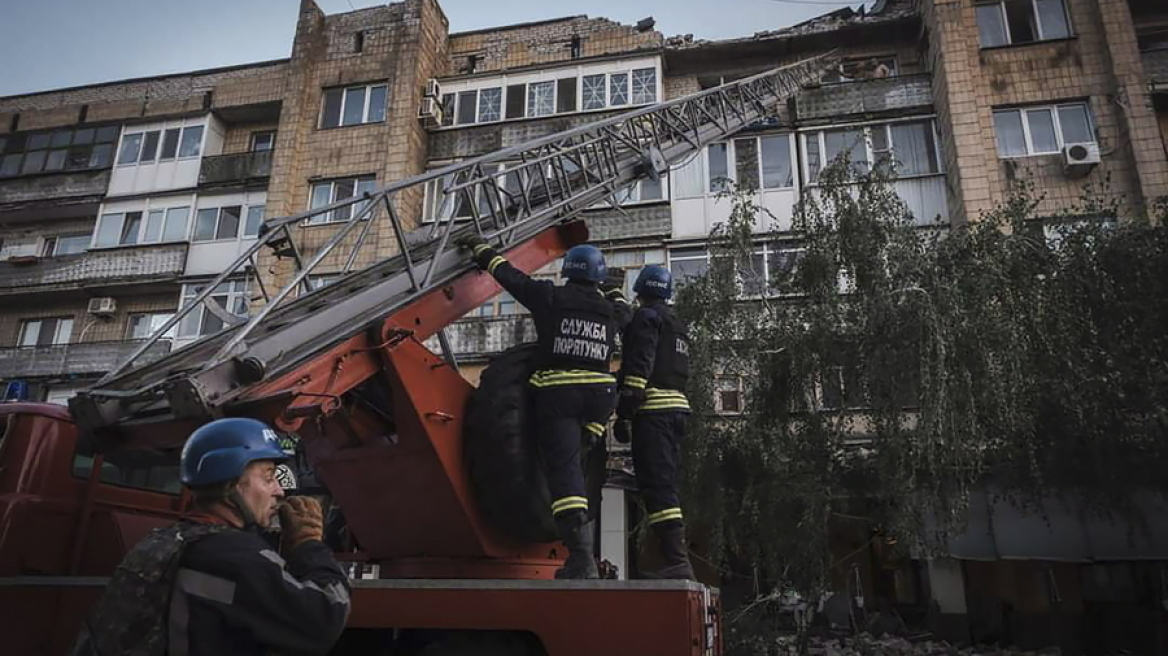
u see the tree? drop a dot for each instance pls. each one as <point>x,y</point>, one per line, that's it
<point>890,368</point>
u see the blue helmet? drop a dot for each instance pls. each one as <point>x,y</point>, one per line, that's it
<point>584,262</point>
<point>654,280</point>
<point>219,451</point>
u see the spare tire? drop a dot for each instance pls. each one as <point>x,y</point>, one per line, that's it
<point>502,452</point>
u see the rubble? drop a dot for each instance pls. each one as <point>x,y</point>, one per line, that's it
<point>865,645</point>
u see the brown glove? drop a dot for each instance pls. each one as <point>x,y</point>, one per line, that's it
<point>301,520</point>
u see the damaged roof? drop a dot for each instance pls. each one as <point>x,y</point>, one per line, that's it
<point>881,12</point>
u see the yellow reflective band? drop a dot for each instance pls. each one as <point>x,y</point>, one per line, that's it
<point>664,399</point>
<point>495,261</point>
<point>671,405</point>
<point>664,515</point>
<point>636,382</point>
<point>594,428</point>
<point>480,248</point>
<point>569,503</point>
<point>551,377</point>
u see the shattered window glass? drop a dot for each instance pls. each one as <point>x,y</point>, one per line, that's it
<point>541,98</point>
<point>594,88</point>
<point>644,86</point>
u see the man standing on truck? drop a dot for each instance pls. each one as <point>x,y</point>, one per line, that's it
<point>210,584</point>
<point>576,325</point>
<point>653,409</point>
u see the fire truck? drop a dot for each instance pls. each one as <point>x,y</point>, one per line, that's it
<point>437,480</point>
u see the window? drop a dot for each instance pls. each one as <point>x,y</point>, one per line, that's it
<point>547,97</point>
<point>728,396</point>
<point>863,68</point>
<point>59,150</point>
<point>263,141</point>
<point>145,469</point>
<point>144,325</point>
<point>70,244</point>
<point>687,264</point>
<point>331,191</point>
<point>217,223</point>
<point>152,226</point>
<point>769,264</point>
<point>46,332</point>
<point>18,248</point>
<point>354,105</point>
<point>442,206</point>
<point>1042,130</point>
<point>143,147</point>
<point>1012,22</point>
<point>632,262</point>
<point>905,148</point>
<point>752,162</point>
<point>229,300</point>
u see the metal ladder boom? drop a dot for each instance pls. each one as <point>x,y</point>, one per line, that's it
<point>509,196</point>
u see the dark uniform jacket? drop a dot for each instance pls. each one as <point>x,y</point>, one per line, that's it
<point>655,358</point>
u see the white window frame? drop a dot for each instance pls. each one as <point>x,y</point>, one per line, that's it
<point>451,96</point>
<point>737,385</point>
<point>1057,122</point>
<point>79,236</point>
<point>158,158</point>
<point>869,152</point>
<point>142,226</point>
<point>344,100</point>
<point>62,331</point>
<point>236,290</point>
<point>370,182</point>
<point>255,137</point>
<point>1001,5</point>
<point>732,163</point>
<point>155,321</point>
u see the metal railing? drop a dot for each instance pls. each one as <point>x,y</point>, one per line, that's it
<point>80,358</point>
<point>865,97</point>
<point>98,267</point>
<point>236,168</point>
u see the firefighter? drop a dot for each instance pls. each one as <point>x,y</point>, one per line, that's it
<point>574,390</point>
<point>210,584</point>
<point>652,411</point>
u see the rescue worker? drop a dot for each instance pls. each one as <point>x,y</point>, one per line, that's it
<point>653,409</point>
<point>574,390</point>
<point>210,584</point>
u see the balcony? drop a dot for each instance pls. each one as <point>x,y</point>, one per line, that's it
<point>30,189</point>
<point>236,170</point>
<point>83,358</point>
<point>118,267</point>
<point>471,338</point>
<point>1156,68</point>
<point>863,97</point>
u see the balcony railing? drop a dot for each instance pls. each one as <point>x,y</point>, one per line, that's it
<point>865,97</point>
<point>94,269</point>
<point>471,338</point>
<point>67,184</point>
<point>1156,68</point>
<point>82,358</point>
<point>236,169</point>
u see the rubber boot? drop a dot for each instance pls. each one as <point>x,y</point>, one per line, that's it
<point>674,548</point>
<point>576,532</point>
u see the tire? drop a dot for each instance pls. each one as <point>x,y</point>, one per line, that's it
<point>502,452</point>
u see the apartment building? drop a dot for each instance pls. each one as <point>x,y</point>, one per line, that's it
<point>119,201</point>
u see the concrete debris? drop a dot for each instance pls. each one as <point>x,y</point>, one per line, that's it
<point>891,646</point>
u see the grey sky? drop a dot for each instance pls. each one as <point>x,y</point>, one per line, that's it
<point>48,44</point>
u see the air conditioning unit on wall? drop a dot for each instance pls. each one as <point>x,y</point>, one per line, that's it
<point>430,112</point>
<point>433,89</point>
<point>103,306</point>
<point>1080,158</point>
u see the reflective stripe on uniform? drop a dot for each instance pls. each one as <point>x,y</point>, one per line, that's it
<point>335,593</point>
<point>206,586</point>
<point>569,503</point>
<point>635,382</point>
<point>554,377</point>
<point>494,263</point>
<point>663,399</point>
<point>664,515</point>
<point>594,428</point>
<point>480,248</point>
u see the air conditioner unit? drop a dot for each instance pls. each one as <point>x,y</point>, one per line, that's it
<point>430,112</point>
<point>1080,157</point>
<point>433,89</point>
<point>103,306</point>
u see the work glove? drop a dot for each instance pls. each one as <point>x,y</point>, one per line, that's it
<point>481,251</point>
<point>630,401</point>
<point>623,431</point>
<point>301,520</point>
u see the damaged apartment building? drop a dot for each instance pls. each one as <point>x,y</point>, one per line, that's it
<point>119,201</point>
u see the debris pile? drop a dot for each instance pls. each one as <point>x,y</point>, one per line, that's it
<point>893,646</point>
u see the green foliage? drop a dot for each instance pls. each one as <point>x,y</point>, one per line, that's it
<point>966,354</point>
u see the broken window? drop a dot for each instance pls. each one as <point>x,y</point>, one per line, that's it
<point>728,396</point>
<point>1042,130</point>
<point>594,91</point>
<point>230,298</point>
<point>1009,22</point>
<point>905,148</point>
<point>565,95</point>
<point>644,86</point>
<point>541,98</point>
<point>516,95</point>
<point>490,104</point>
<point>466,107</point>
<point>618,89</point>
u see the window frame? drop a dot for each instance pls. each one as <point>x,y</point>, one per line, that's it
<point>358,180</point>
<point>143,226</point>
<point>238,289</point>
<point>84,140</point>
<point>811,177</point>
<point>165,315</point>
<point>1034,14</point>
<point>160,145</point>
<point>366,103</point>
<point>59,322</point>
<point>1056,121</point>
<point>255,137</point>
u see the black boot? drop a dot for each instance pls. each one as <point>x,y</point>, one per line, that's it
<point>576,531</point>
<point>674,548</point>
